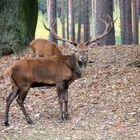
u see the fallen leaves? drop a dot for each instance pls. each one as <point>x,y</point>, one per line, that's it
<point>103,104</point>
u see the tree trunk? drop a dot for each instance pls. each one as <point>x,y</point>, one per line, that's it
<point>17,25</point>
<point>135,20</point>
<point>126,22</point>
<point>52,16</point>
<point>47,10</point>
<point>93,5</point>
<point>68,19</point>
<point>72,26</point>
<point>63,19</point>
<point>103,9</point>
<point>79,21</point>
<point>86,20</point>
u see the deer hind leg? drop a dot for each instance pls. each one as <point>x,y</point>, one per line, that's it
<point>20,100</point>
<point>9,100</point>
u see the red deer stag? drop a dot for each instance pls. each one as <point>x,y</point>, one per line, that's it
<point>41,71</point>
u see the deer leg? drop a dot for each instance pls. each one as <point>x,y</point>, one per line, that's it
<point>20,101</point>
<point>66,104</point>
<point>61,101</point>
<point>9,100</point>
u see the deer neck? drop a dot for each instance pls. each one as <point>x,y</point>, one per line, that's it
<point>76,66</point>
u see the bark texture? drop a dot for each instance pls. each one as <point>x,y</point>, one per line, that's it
<point>52,16</point>
<point>17,25</point>
<point>86,20</point>
<point>103,9</point>
<point>126,22</point>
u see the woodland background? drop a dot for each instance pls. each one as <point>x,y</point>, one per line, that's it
<point>21,21</point>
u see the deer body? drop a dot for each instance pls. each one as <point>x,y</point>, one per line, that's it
<point>43,47</point>
<point>58,70</point>
<point>40,70</point>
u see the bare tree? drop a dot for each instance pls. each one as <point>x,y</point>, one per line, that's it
<point>79,21</point>
<point>135,20</point>
<point>86,20</point>
<point>52,16</point>
<point>67,19</point>
<point>103,9</point>
<point>71,15</point>
<point>63,19</point>
<point>126,22</point>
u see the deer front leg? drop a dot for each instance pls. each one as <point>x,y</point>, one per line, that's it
<point>60,91</point>
<point>61,104</point>
<point>66,114</point>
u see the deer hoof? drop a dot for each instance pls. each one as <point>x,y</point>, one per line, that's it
<point>6,123</point>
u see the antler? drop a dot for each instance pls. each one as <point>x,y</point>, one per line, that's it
<point>108,28</point>
<point>54,34</point>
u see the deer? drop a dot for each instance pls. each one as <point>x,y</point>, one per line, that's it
<point>43,47</point>
<point>56,70</point>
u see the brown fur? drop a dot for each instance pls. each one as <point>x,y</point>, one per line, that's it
<point>59,70</point>
<point>43,47</point>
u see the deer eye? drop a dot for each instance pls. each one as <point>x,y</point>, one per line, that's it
<point>76,50</point>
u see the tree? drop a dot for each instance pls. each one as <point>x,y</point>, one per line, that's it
<point>103,9</point>
<point>52,16</point>
<point>17,25</point>
<point>67,19</point>
<point>63,19</point>
<point>135,20</point>
<point>126,21</point>
<point>86,20</point>
<point>79,21</point>
<point>71,15</point>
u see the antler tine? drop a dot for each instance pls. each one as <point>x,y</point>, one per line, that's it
<point>54,34</point>
<point>59,38</point>
<point>88,41</point>
<point>46,27</point>
<point>52,24</point>
<point>108,28</point>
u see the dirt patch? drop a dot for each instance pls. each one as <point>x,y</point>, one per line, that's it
<point>104,104</point>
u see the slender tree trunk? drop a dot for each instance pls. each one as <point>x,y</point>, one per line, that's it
<point>72,26</point>
<point>103,9</point>
<point>93,4</point>
<point>63,19</point>
<point>17,24</point>
<point>52,16</point>
<point>135,20</point>
<point>86,20</point>
<point>68,19</point>
<point>79,21</point>
<point>47,10</point>
<point>126,22</point>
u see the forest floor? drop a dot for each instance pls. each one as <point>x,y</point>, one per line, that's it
<point>103,105</point>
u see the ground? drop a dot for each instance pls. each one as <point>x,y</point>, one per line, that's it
<point>103,105</point>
